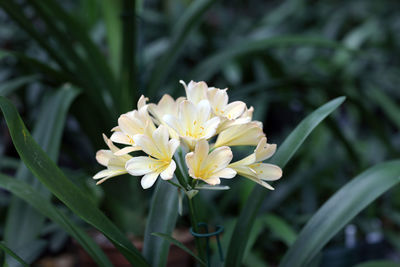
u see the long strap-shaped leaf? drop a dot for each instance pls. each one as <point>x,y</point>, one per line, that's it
<point>23,224</point>
<point>53,178</point>
<point>31,196</point>
<point>7,250</point>
<point>162,219</point>
<point>343,206</point>
<point>283,155</point>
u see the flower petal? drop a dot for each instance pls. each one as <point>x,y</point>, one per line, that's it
<point>218,159</point>
<point>234,109</point>
<point>149,179</point>
<point>264,150</point>
<point>168,173</point>
<point>103,156</point>
<point>127,150</point>
<point>140,165</point>
<point>147,145</point>
<point>226,173</point>
<point>160,137</point>
<point>268,172</point>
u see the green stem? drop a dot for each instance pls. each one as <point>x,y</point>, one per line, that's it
<point>200,245</point>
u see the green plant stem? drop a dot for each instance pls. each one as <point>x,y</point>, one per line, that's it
<point>200,246</point>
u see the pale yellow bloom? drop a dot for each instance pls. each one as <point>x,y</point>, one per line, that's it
<point>219,102</point>
<point>195,91</point>
<point>194,122</point>
<point>248,134</point>
<point>253,168</point>
<point>166,106</point>
<point>130,124</point>
<point>210,167</point>
<point>115,164</point>
<point>159,162</point>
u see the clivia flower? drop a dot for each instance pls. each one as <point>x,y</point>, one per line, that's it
<point>209,167</point>
<point>159,162</point>
<point>253,168</point>
<point>205,125</point>
<point>115,164</point>
<point>194,122</point>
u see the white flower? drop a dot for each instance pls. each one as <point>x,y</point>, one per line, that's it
<point>252,167</point>
<point>193,122</point>
<point>210,167</point>
<point>115,164</point>
<point>219,102</point>
<point>159,162</point>
<point>130,124</point>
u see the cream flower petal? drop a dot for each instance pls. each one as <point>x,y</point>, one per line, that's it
<point>212,180</point>
<point>173,144</point>
<point>234,109</point>
<point>268,172</point>
<point>195,91</point>
<point>103,156</point>
<point>226,173</point>
<point>168,173</point>
<point>239,135</point>
<point>147,145</point>
<point>203,111</point>
<point>160,137</point>
<point>127,150</point>
<point>149,179</point>
<point>121,138</point>
<point>245,161</point>
<point>210,127</point>
<point>264,150</point>
<point>108,173</point>
<point>140,165</point>
<point>219,158</point>
<point>174,123</point>
<point>261,182</point>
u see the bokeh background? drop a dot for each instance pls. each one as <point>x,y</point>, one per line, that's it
<point>71,67</point>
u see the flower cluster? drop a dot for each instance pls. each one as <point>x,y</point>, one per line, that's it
<point>204,125</point>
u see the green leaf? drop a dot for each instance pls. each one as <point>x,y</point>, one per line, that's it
<point>283,155</point>
<point>34,198</point>
<point>111,14</point>
<point>214,63</point>
<point>127,95</point>
<point>389,107</point>
<point>11,86</point>
<point>187,22</point>
<point>23,224</point>
<point>340,209</point>
<point>280,228</point>
<point>162,218</point>
<point>4,247</point>
<point>52,177</point>
<point>180,245</point>
<point>378,263</point>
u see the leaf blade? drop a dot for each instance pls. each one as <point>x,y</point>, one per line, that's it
<point>164,205</point>
<point>180,245</point>
<point>343,206</point>
<point>283,155</point>
<point>31,196</point>
<point>50,175</point>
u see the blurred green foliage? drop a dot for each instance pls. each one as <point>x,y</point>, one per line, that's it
<point>286,58</point>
